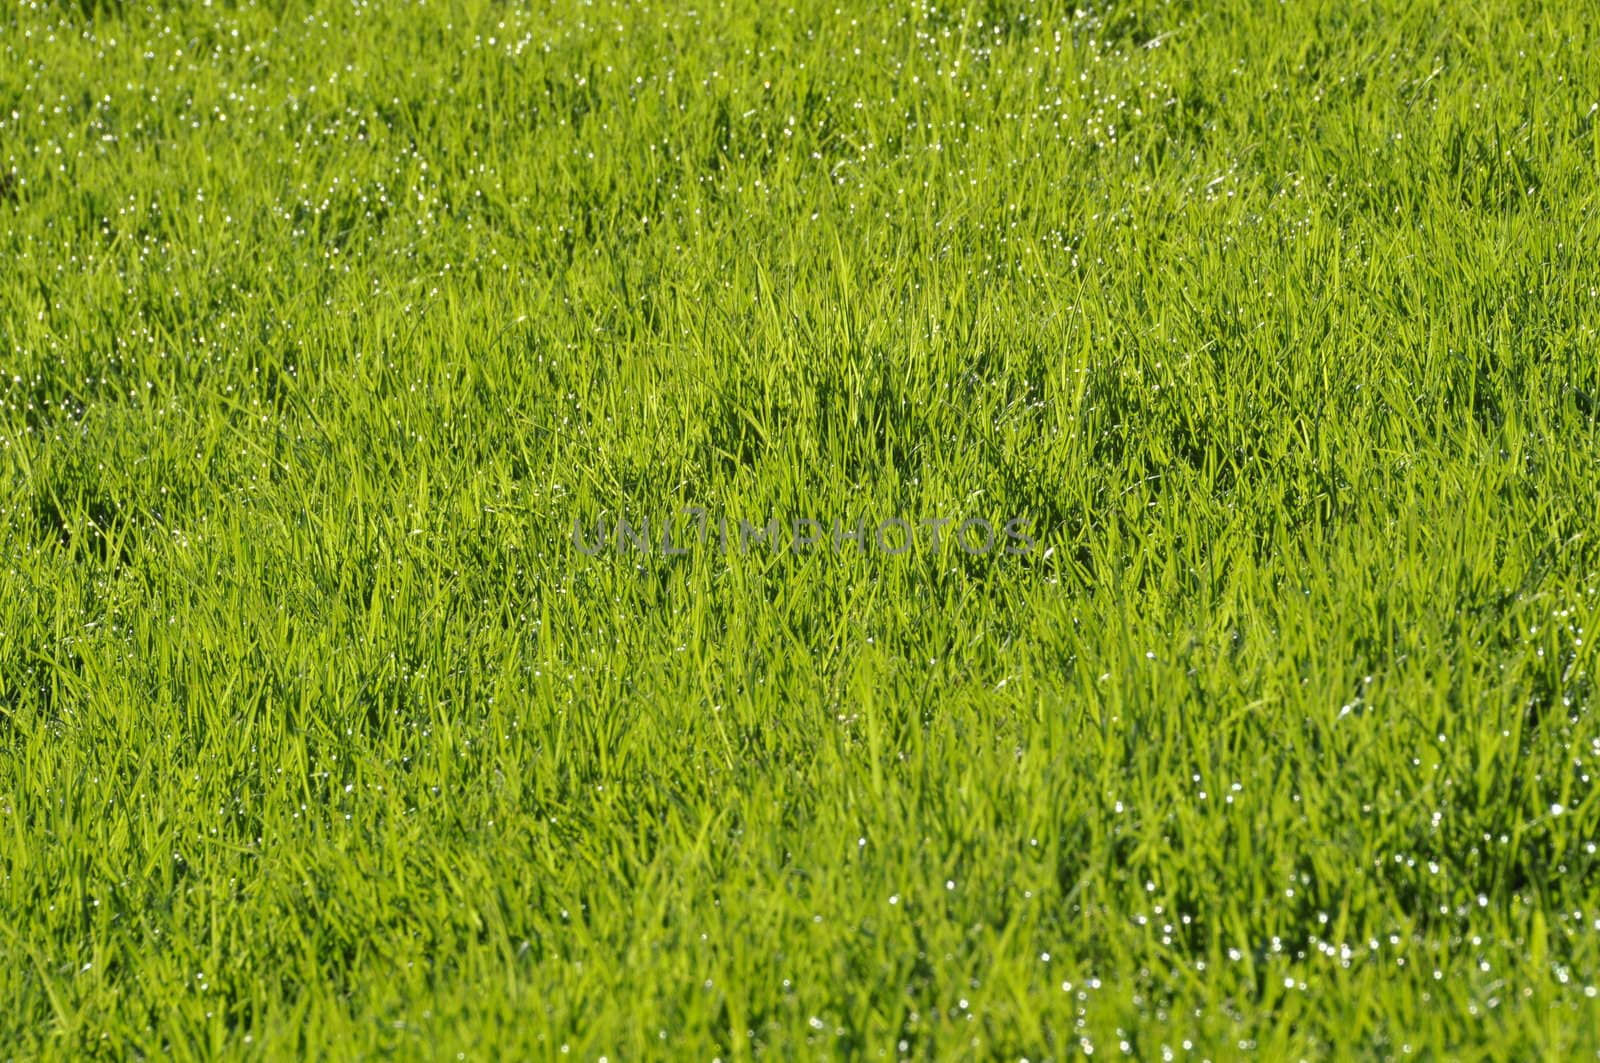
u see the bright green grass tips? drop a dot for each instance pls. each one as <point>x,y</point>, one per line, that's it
<point>321,329</point>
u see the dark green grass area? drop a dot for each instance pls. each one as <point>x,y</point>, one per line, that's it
<point>321,328</point>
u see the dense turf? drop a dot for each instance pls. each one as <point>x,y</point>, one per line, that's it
<point>321,329</point>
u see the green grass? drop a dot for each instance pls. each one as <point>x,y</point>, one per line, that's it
<point>320,328</point>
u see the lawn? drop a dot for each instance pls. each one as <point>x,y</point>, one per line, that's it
<point>710,530</point>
